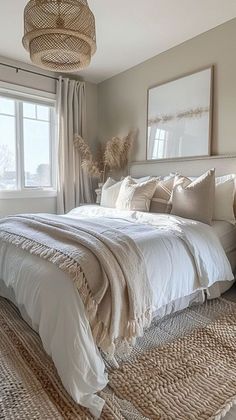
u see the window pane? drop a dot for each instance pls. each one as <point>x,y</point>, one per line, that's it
<point>7,153</point>
<point>43,112</point>
<point>7,106</point>
<point>37,153</point>
<point>29,110</point>
<point>30,126</point>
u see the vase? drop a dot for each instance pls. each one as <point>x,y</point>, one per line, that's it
<point>98,192</point>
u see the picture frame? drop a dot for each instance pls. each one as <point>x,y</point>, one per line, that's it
<point>179,117</point>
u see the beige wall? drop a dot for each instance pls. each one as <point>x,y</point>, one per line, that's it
<point>46,205</point>
<point>27,205</point>
<point>26,79</point>
<point>122,100</point>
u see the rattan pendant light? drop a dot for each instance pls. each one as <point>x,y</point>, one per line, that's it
<point>60,35</point>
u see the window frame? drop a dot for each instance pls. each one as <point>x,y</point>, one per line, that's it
<point>20,93</point>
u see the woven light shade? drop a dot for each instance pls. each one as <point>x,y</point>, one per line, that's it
<point>59,34</point>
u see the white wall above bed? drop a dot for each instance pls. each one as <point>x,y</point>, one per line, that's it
<point>224,165</point>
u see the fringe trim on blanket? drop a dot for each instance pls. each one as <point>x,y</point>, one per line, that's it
<point>109,345</point>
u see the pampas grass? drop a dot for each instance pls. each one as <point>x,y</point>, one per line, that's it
<point>114,156</point>
<point>86,155</point>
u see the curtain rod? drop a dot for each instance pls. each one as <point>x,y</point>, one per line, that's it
<point>28,71</point>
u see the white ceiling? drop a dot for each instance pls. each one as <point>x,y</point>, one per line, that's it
<point>128,31</point>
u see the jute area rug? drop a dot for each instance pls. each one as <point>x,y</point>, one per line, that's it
<point>184,368</point>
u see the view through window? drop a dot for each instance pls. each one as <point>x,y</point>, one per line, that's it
<point>27,133</point>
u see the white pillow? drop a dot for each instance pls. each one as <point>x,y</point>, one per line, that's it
<point>111,189</point>
<point>139,180</point>
<point>110,192</point>
<point>135,196</point>
<point>224,199</point>
<point>224,178</point>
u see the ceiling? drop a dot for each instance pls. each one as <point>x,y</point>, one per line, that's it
<point>128,31</point>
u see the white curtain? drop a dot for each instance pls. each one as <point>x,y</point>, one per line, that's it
<point>74,184</point>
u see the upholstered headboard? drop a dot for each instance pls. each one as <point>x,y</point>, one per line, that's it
<point>223,164</point>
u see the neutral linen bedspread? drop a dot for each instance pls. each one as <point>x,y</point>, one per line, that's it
<point>181,257</point>
<point>117,298</point>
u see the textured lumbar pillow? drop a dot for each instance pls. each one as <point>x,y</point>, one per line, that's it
<point>111,189</point>
<point>161,199</point>
<point>135,196</point>
<point>195,200</point>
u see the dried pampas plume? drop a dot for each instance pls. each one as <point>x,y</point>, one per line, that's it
<point>114,156</point>
<point>86,156</point>
<point>117,150</point>
<point>92,168</point>
<point>83,147</point>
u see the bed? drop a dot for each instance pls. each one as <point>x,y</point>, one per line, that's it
<point>49,301</point>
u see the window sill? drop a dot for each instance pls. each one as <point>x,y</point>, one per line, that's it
<point>27,193</point>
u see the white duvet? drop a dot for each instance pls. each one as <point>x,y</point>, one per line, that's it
<point>181,256</point>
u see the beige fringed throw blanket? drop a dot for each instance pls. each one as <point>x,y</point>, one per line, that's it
<point>105,265</point>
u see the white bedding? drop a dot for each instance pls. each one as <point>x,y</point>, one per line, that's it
<point>181,257</point>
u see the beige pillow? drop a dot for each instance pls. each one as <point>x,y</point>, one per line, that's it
<point>224,205</point>
<point>111,189</point>
<point>161,199</point>
<point>196,200</point>
<point>135,196</point>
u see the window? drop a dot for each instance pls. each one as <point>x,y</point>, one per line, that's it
<point>27,143</point>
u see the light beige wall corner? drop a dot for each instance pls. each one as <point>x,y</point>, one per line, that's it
<point>122,100</point>
<point>26,79</point>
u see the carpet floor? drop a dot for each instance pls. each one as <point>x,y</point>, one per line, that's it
<point>184,368</point>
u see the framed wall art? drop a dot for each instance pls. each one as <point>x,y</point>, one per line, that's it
<point>180,117</point>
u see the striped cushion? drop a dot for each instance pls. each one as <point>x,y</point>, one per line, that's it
<point>161,199</point>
